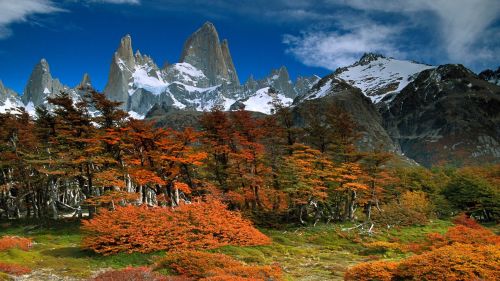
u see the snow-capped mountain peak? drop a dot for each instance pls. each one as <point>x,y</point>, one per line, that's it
<point>379,77</point>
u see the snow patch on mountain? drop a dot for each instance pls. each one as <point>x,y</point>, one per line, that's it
<point>10,105</point>
<point>149,83</point>
<point>189,71</point>
<point>262,101</point>
<point>378,76</point>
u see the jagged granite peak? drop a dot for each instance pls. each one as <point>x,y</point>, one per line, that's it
<point>205,77</point>
<point>447,115</point>
<point>231,70</point>
<point>492,76</point>
<point>203,51</point>
<point>41,85</point>
<point>86,82</point>
<point>280,81</point>
<point>120,72</point>
<point>82,88</point>
<point>125,51</point>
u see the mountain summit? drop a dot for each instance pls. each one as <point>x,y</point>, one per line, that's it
<point>41,85</point>
<point>204,51</point>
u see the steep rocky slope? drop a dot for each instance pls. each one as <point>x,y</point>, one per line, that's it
<point>492,76</point>
<point>330,90</point>
<point>447,114</point>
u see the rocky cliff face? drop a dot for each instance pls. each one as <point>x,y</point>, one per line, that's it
<point>330,90</point>
<point>231,70</point>
<point>122,67</point>
<point>447,114</point>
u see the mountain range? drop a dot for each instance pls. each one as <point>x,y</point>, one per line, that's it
<point>431,114</point>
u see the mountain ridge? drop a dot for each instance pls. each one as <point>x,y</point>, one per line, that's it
<point>376,91</point>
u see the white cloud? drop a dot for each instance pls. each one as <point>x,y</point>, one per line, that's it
<point>336,49</point>
<point>12,11</point>
<point>463,27</point>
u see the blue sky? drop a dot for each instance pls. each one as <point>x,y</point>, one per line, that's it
<point>309,37</point>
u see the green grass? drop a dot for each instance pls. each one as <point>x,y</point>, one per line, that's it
<point>306,253</point>
<point>57,247</point>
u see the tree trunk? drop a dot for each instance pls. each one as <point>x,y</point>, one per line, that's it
<point>53,198</point>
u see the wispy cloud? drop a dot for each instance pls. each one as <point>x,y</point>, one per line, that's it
<point>340,48</point>
<point>20,11</point>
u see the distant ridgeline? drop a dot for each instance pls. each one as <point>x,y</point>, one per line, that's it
<point>429,114</point>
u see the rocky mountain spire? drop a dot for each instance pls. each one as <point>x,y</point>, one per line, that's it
<point>125,51</point>
<point>280,80</point>
<point>231,70</point>
<point>203,50</point>
<point>120,72</point>
<point>40,84</point>
<point>82,88</point>
<point>85,81</point>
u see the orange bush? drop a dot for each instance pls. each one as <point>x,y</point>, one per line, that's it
<point>9,242</point>
<point>196,263</point>
<point>449,263</point>
<point>204,225</point>
<point>244,272</point>
<point>376,270</point>
<point>14,269</point>
<point>136,274</point>
<point>214,266</point>
<point>465,220</point>
<point>469,252</point>
<point>464,235</point>
<point>452,263</point>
